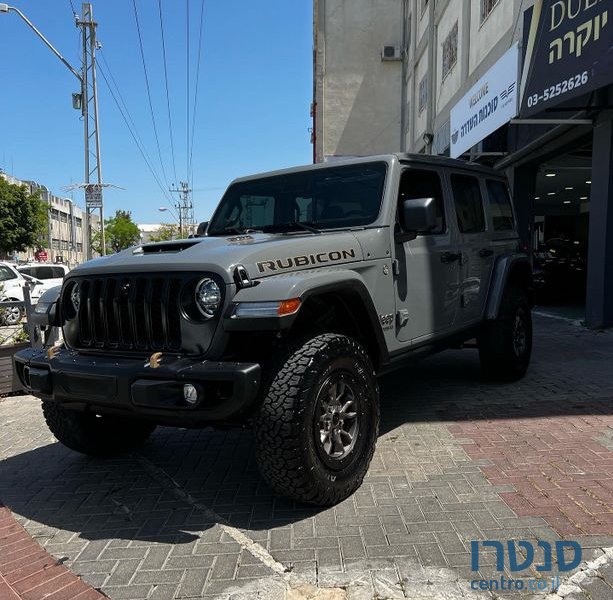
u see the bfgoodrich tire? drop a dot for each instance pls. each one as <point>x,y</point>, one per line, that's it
<point>505,345</point>
<point>94,435</point>
<point>318,423</point>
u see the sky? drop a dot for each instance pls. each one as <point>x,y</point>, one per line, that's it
<point>252,115</point>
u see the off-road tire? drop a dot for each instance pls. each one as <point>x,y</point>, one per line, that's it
<point>289,448</point>
<point>101,436</point>
<point>503,354</point>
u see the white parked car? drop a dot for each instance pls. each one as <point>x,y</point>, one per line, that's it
<point>50,275</point>
<point>11,288</point>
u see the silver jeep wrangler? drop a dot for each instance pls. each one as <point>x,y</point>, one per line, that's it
<point>307,284</point>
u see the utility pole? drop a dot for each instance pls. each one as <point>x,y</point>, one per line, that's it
<point>87,102</point>
<point>185,208</point>
<point>89,108</point>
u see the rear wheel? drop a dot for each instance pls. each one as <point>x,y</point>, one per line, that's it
<point>505,345</point>
<point>95,435</point>
<point>317,426</point>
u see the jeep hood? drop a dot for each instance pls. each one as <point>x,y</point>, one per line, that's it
<point>261,254</point>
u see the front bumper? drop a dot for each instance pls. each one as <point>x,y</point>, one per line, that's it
<point>132,387</point>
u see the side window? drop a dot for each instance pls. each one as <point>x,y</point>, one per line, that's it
<point>44,273</point>
<point>422,183</point>
<point>58,272</point>
<point>468,203</point>
<point>500,205</point>
<point>26,271</point>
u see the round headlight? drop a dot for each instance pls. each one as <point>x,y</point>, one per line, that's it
<point>208,297</point>
<point>75,296</point>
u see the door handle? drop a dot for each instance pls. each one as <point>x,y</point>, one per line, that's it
<point>449,257</point>
<point>485,252</point>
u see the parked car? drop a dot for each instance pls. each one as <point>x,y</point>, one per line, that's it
<point>309,283</point>
<point>560,271</point>
<point>50,275</point>
<point>11,288</point>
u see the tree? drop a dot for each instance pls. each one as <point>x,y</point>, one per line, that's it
<point>24,219</point>
<point>121,232</point>
<point>166,232</point>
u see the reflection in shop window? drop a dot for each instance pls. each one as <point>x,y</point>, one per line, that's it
<point>487,6</point>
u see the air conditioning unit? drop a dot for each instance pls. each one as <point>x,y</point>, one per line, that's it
<point>391,53</point>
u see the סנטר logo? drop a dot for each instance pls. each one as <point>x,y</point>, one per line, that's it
<point>568,555</point>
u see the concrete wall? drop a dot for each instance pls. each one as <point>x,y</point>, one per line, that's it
<point>358,95</point>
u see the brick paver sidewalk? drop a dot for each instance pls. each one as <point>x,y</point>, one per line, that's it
<point>459,460</point>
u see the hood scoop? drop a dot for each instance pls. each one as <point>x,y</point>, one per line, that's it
<point>167,247</point>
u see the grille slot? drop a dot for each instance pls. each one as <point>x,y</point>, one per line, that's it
<point>139,313</point>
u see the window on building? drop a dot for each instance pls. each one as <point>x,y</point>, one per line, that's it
<point>450,50</point>
<point>487,6</point>
<point>79,247</point>
<point>423,183</point>
<point>500,205</point>
<point>55,243</point>
<point>423,92</point>
<point>78,222</point>
<point>54,213</point>
<point>468,203</point>
<point>64,245</point>
<point>63,217</point>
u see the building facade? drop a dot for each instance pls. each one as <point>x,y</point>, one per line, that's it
<point>405,75</point>
<point>64,240</point>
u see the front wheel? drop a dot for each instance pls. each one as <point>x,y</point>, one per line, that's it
<point>95,435</point>
<point>505,345</point>
<point>318,424</point>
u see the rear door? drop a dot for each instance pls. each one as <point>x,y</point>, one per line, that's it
<point>474,246</point>
<point>427,276</point>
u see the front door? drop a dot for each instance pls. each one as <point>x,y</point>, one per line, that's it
<point>474,247</point>
<point>427,268</point>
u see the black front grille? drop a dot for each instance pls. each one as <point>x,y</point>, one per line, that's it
<point>138,313</point>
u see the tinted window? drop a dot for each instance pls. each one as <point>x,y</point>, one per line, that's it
<point>468,203</point>
<point>58,272</point>
<point>26,270</point>
<point>347,196</point>
<point>419,183</point>
<point>500,205</point>
<point>44,273</point>
<point>6,273</point>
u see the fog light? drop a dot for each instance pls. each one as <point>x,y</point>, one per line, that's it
<point>190,394</point>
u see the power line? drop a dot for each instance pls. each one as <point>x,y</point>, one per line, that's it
<point>142,54</point>
<point>133,133</point>
<point>191,150</point>
<point>172,144</point>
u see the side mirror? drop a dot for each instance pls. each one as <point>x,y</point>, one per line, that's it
<point>201,231</point>
<point>417,215</point>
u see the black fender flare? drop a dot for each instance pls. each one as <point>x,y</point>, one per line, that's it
<point>506,269</point>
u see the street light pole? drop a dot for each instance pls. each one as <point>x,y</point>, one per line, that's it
<point>88,97</point>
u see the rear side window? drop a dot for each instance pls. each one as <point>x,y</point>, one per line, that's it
<point>421,183</point>
<point>500,205</point>
<point>468,203</point>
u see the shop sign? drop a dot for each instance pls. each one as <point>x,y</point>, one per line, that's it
<point>489,104</point>
<point>569,52</point>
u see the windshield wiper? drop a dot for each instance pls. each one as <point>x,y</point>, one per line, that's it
<point>303,226</point>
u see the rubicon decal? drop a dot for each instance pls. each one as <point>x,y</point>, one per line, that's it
<point>321,258</point>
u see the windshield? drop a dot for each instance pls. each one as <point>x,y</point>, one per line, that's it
<point>334,197</point>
